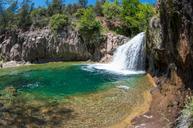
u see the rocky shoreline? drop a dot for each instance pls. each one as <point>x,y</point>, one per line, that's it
<point>12,64</point>
<point>167,102</point>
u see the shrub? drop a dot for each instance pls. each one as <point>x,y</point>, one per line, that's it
<point>39,18</point>
<point>58,21</point>
<point>88,22</point>
<point>185,120</point>
<point>89,29</point>
<point>111,10</point>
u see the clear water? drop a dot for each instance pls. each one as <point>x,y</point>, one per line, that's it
<point>59,79</point>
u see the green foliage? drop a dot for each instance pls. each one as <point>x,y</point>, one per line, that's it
<point>55,7</point>
<point>98,8</point>
<point>89,28</point>
<point>185,120</point>
<point>71,9</point>
<point>7,15</point>
<point>88,22</point>
<point>24,18</point>
<point>83,3</point>
<point>131,15</point>
<point>126,17</point>
<point>58,21</point>
<point>135,16</point>
<point>39,18</point>
<point>111,10</point>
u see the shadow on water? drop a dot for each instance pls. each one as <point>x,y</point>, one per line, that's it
<point>16,111</point>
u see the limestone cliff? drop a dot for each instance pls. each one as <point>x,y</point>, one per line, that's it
<point>173,49</point>
<point>43,45</point>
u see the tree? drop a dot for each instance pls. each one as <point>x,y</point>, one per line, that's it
<point>89,28</point>
<point>83,3</point>
<point>72,8</point>
<point>88,22</point>
<point>135,16</point>
<point>58,21</point>
<point>2,16</point>
<point>111,10</point>
<point>7,14</point>
<point>39,18</point>
<point>55,7</point>
<point>24,18</point>
<point>98,7</point>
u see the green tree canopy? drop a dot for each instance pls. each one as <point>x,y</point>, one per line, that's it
<point>58,21</point>
<point>88,22</point>
<point>111,10</point>
<point>83,3</point>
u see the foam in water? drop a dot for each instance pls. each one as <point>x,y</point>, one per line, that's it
<point>128,58</point>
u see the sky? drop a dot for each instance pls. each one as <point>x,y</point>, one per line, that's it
<point>42,2</point>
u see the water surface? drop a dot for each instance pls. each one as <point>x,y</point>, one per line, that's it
<point>60,79</point>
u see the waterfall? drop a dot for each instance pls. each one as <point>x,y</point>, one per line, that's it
<point>131,56</point>
<point>128,58</point>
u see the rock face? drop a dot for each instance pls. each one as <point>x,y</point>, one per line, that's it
<point>176,47</point>
<point>43,45</point>
<point>112,42</point>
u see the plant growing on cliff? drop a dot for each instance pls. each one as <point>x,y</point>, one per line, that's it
<point>135,16</point>
<point>7,14</point>
<point>58,22</point>
<point>89,28</point>
<point>87,22</point>
<point>24,18</point>
<point>185,120</point>
<point>39,18</point>
<point>111,10</point>
<point>55,7</point>
<point>127,17</point>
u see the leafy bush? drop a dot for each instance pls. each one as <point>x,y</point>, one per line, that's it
<point>39,18</point>
<point>135,16</point>
<point>58,21</point>
<point>129,16</point>
<point>111,10</point>
<point>185,120</point>
<point>89,29</point>
<point>88,22</point>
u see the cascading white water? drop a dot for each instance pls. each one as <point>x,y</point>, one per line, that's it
<point>131,56</point>
<point>128,58</point>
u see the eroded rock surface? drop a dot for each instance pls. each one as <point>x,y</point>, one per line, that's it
<point>176,44</point>
<point>43,45</point>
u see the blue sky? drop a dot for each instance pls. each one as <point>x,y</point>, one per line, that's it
<point>42,2</point>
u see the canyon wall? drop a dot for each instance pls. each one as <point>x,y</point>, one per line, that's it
<point>170,41</point>
<point>68,45</point>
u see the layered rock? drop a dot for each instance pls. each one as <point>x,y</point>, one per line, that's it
<point>110,45</point>
<point>43,45</point>
<point>176,47</point>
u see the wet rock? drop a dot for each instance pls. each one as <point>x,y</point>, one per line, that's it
<point>10,91</point>
<point>111,44</point>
